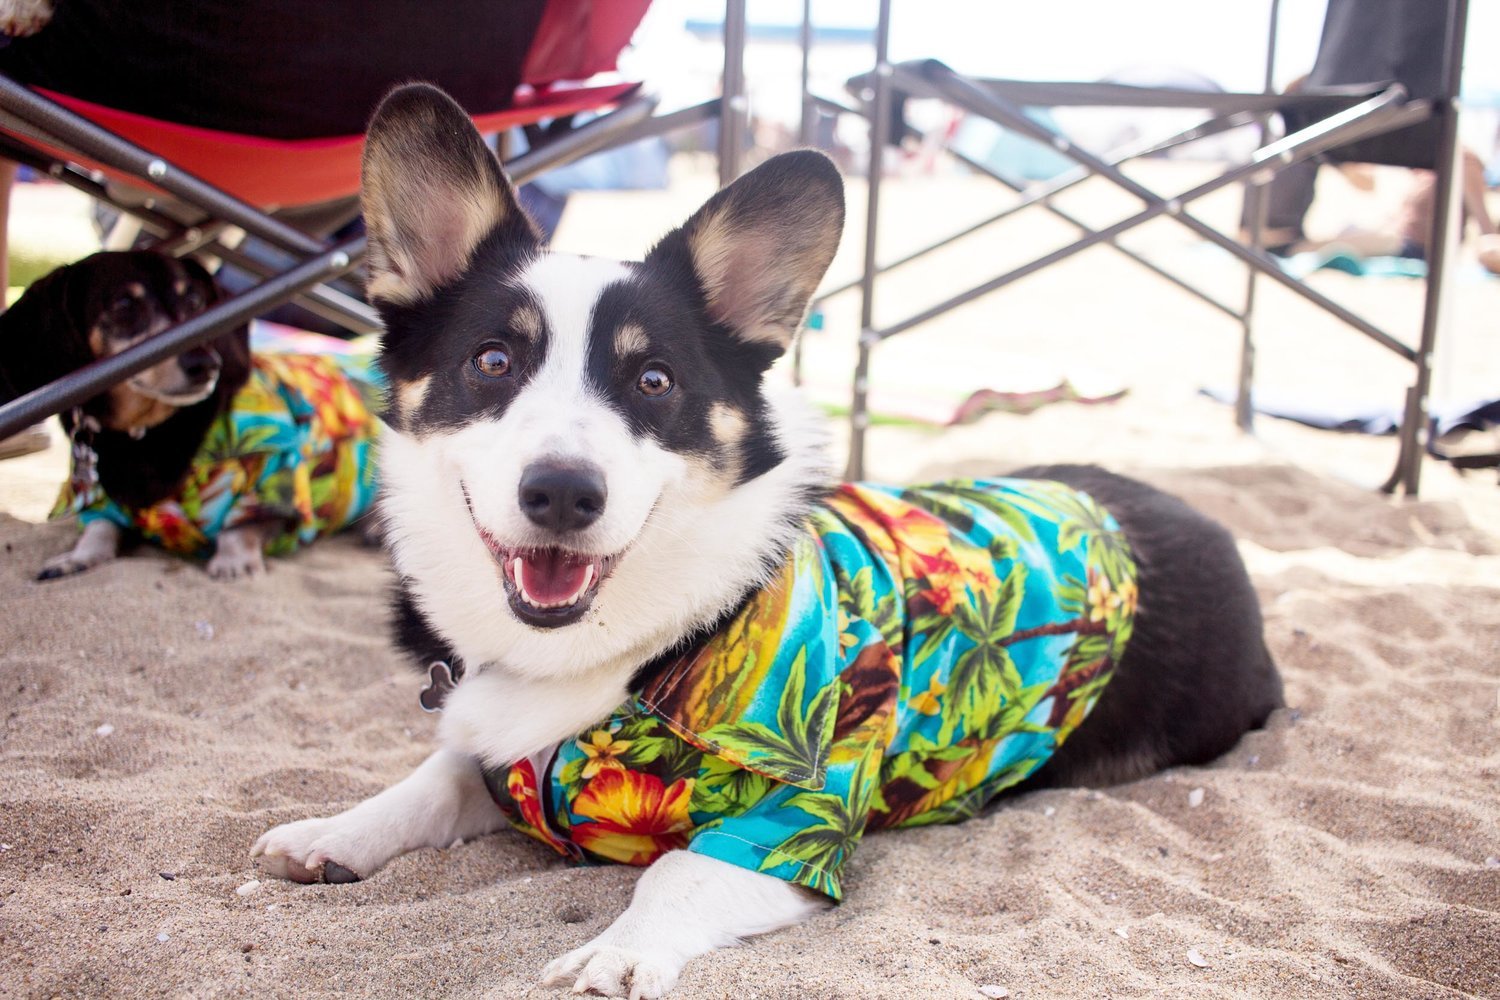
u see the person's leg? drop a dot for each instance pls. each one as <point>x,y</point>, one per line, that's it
<point>1288,197</point>
<point>7,178</point>
<point>1488,245</point>
<point>1474,193</point>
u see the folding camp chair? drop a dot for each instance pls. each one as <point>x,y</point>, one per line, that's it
<point>1323,118</point>
<point>191,186</point>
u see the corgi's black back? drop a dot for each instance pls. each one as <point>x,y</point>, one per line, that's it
<point>1196,675</point>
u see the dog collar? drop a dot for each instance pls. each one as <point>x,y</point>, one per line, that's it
<point>85,465</point>
<point>441,679</point>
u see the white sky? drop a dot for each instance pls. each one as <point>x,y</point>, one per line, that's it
<point>1086,39</point>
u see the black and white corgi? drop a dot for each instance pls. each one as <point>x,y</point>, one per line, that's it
<point>586,481</point>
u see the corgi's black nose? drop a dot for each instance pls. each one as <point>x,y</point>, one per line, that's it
<point>562,497</point>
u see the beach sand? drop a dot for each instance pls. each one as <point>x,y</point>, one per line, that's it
<point>156,722</point>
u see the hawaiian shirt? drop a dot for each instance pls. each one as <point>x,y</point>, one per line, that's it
<point>922,650</point>
<point>293,451</point>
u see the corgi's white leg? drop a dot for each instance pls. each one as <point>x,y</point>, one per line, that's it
<point>99,543</point>
<point>443,800</point>
<point>685,905</point>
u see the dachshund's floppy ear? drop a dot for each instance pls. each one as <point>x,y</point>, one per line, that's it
<point>759,248</point>
<point>198,273</point>
<point>431,191</point>
<point>233,347</point>
<point>45,334</point>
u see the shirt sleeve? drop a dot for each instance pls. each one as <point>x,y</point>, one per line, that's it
<point>806,834</point>
<point>105,509</point>
<point>802,836</point>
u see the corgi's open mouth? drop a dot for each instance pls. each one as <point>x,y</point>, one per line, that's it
<point>549,586</point>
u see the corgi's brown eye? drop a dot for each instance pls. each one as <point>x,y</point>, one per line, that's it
<point>492,362</point>
<point>655,382</point>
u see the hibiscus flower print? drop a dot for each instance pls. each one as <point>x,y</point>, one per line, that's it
<point>602,750</point>
<point>175,531</point>
<point>635,818</point>
<point>521,785</point>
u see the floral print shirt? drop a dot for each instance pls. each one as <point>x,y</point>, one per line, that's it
<point>293,451</point>
<point>922,650</point>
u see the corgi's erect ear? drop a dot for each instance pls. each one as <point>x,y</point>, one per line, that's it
<point>431,191</point>
<point>760,246</point>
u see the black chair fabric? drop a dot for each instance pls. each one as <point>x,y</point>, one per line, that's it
<point>1380,42</point>
<point>285,69</point>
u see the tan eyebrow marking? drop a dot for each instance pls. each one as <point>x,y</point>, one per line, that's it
<point>727,423</point>
<point>527,321</point>
<point>629,339</point>
<point>413,394</point>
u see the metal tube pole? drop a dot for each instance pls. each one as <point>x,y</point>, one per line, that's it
<point>806,127</point>
<point>324,301</point>
<point>1086,229</point>
<point>734,120</point>
<point>1376,114</point>
<point>1255,205</point>
<point>805,138</point>
<point>1449,180</point>
<point>1343,128</point>
<point>579,142</point>
<point>1043,193</point>
<point>89,140</point>
<point>880,136</point>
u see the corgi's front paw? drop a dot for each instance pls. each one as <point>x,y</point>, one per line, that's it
<point>613,971</point>
<point>309,850</point>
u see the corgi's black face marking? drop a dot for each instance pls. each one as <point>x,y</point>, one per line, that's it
<point>658,322</point>
<point>428,350</point>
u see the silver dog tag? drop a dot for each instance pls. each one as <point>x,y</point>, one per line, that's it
<point>84,474</point>
<point>440,681</point>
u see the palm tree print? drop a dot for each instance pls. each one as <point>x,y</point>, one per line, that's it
<point>793,747</point>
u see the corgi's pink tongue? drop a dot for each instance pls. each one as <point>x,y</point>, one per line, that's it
<point>552,578</point>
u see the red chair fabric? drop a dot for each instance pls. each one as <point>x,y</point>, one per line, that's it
<point>579,38</point>
<point>569,40</point>
<point>282,173</point>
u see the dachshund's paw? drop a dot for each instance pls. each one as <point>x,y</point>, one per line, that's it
<point>20,18</point>
<point>307,851</point>
<point>71,563</point>
<point>232,563</point>
<point>612,971</point>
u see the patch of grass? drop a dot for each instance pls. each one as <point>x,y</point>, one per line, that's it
<point>28,267</point>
